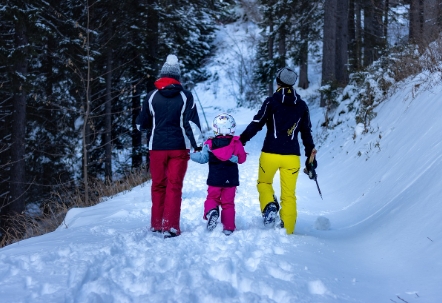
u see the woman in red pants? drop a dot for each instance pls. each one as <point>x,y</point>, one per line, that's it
<point>171,118</point>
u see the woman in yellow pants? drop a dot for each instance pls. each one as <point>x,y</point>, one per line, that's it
<point>288,166</point>
<point>286,116</point>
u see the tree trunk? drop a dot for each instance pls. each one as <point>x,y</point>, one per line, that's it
<point>87,110</point>
<point>386,21</point>
<point>303,56</point>
<point>303,66</point>
<point>379,40</point>
<point>137,157</point>
<point>51,49</point>
<point>270,52</point>
<point>430,30</point>
<point>282,46</point>
<point>415,27</point>
<point>153,32</point>
<point>358,33</point>
<point>341,66</point>
<point>18,132</point>
<point>108,115</point>
<point>329,45</point>
<point>17,177</point>
<point>374,39</point>
<point>352,36</point>
<point>368,33</point>
<point>108,102</point>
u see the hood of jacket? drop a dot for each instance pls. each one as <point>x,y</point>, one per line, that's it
<point>168,87</point>
<point>225,151</point>
<point>286,95</point>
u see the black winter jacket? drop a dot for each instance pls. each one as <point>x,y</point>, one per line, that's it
<point>171,118</point>
<point>285,116</point>
<point>222,173</point>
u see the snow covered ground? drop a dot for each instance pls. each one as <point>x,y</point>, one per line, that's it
<point>382,193</point>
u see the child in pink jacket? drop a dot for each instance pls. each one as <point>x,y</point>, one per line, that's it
<point>223,153</point>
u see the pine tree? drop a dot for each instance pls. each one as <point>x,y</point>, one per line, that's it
<point>267,55</point>
<point>289,33</point>
<point>18,24</point>
<point>187,30</point>
<point>58,58</point>
<point>306,35</point>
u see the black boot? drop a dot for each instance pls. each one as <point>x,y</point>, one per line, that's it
<point>170,233</point>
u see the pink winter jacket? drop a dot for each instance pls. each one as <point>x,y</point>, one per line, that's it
<point>225,153</point>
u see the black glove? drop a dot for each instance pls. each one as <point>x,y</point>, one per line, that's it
<point>310,168</point>
<point>314,164</point>
<point>242,140</point>
<point>198,149</point>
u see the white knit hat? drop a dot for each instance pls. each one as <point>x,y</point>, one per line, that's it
<point>171,68</point>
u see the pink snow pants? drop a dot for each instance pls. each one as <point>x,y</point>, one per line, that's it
<point>167,168</point>
<point>224,196</point>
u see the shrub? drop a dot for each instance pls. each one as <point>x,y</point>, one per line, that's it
<point>63,198</point>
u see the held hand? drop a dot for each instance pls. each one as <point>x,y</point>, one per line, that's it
<point>242,140</point>
<point>201,156</point>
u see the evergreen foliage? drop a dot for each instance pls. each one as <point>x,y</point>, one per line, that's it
<point>290,31</point>
<point>73,73</point>
<point>106,53</point>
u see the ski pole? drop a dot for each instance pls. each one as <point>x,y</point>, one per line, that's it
<point>311,171</point>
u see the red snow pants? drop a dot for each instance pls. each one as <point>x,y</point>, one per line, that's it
<point>224,196</point>
<point>167,168</point>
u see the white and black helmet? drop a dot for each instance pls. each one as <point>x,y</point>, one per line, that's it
<point>223,124</point>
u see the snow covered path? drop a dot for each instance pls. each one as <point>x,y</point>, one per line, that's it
<point>105,253</point>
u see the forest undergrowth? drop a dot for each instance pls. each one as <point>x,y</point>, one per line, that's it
<point>51,213</point>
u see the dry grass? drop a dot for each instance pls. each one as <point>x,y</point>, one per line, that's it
<point>405,63</point>
<point>63,198</point>
<point>414,59</point>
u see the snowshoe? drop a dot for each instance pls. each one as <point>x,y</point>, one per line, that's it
<point>212,219</point>
<point>269,214</point>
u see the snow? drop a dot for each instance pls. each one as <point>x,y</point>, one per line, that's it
<point>375,236</point>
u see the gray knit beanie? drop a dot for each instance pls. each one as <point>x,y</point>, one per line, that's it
<point>286,77</point>
<point>171,68</point>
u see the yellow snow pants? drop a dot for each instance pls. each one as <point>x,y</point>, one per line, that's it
<point>288,166</point>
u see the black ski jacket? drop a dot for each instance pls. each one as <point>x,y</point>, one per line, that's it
<point>285,116</point>
<point>171,118</point>
<point>222,173</point>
